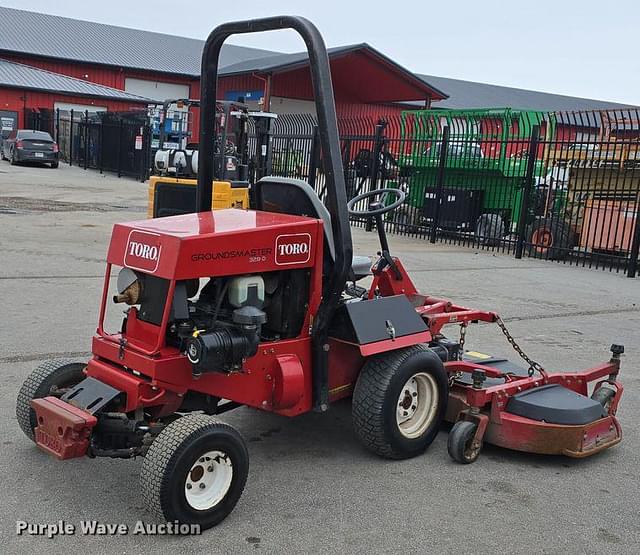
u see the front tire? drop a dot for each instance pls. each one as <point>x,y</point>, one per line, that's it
<point>195,471</point>
<point>399,402</point>
<point>53,377</point>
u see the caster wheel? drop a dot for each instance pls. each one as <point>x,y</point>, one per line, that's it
<point>460,444</point>
<point>604,395</point>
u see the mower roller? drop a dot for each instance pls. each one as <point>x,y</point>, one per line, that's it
<point>262,307</point>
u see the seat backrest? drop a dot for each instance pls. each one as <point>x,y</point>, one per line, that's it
<point>286,195</point>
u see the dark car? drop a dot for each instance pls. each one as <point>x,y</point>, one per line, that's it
<point>24,145</point>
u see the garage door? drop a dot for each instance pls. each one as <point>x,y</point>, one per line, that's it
<point>156,90</point>
<point>78,109</point>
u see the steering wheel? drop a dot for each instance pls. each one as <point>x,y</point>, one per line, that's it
<point>376,208</point>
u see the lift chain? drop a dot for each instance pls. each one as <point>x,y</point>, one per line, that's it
<point>457,375</point>
<point>463,333</point>
<point>533,365</point>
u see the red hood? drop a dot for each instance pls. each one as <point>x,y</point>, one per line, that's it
<point>223,242</point>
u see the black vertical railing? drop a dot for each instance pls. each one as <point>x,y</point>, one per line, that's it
<point>71,138</point>
<point>527,189</point>
<point>478,178</point>
<point>635,245</point>
<point>442,163</point>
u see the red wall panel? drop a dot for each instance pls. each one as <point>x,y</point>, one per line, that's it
<point>103,75</point>
<point>18,100</point>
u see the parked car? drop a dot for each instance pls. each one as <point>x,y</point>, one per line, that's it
<point>25,145</point>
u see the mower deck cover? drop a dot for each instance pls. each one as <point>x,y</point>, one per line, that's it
<point>555,404</point>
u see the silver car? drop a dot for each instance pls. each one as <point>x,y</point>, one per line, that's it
<point>25,145</point>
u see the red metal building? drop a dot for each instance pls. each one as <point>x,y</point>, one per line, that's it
<point>26,91</point>
<point>156,67</point>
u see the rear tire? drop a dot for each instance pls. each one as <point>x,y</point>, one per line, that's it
<point>407,218</point>
<point>54,165</point>
<point>490,229</point>
<point>13,160</point>
<point>550,238</point>
<point>195,471</point>
<point>460,442</point>
<point>52,377</point>
<point>399,402</point>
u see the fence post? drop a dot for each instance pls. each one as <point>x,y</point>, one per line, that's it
<point>442,162</point>
<point>86,137</point>
<point>526,191</point>
<point>314,156</point>
<point>71,138</point>
<point>635,247</point>
<point>378,145</point>
<point>120,127</point>
<point>101,145</point>
<point>145,153</point>
<point>58,128</point>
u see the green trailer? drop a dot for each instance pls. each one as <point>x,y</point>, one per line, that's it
<point>484,168</point>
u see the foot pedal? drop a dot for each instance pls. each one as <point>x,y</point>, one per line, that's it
<point>90,395</point>
<point>355,291</point>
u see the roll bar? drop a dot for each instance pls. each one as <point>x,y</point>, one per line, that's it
<point>330,144</point>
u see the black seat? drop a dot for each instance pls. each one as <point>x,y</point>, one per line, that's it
<point>286,195</point>
<point>556,405</point>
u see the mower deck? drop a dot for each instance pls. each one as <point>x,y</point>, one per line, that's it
<point>548,414</point>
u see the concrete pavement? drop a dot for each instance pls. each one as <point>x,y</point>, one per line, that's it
<point>312,488</point>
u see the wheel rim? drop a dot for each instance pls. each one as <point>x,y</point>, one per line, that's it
<point>471,449</point>
<point>542,239</point>
<point>417,405</point>
<point>208,480</point>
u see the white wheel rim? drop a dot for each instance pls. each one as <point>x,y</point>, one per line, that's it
<point>417,405</point>
<point>208,480</point>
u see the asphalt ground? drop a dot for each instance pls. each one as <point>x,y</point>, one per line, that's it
<point>312,488</point>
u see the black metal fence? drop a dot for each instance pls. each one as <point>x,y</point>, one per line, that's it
<point>106,141</point>
<point>561,186</point>
<point>556,186</point>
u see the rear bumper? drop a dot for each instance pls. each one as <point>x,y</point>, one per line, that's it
<point>31,156</point>
<point>63,430</point>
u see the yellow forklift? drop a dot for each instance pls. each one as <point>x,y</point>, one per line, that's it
<point>172,190</point>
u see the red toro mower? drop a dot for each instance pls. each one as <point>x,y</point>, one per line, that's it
<point>262,308</point>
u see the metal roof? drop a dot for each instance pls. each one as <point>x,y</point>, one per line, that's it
<point>469,94</point>
<point>27,77</point>
<point>71,39</point>
<point>64,38</point>
<point>280,61</point>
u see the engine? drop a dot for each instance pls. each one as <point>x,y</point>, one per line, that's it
<point>221,324</point>
<point>228,324</point>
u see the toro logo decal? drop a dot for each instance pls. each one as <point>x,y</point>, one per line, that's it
<point>293,248</point>
<point>143,251</point>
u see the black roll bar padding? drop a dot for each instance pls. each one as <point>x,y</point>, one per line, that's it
<point>330,143</point>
